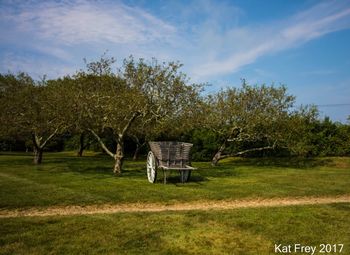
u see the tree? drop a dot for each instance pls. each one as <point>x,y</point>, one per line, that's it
<point>137,94</point>
<point>298,131</point>
<point>84,143</point>
<point>32,109</point>
<point>327,138</point>
<point>251,115</point>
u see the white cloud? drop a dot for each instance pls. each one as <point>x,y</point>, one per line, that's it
<point>62,33</point>
<point>72,23</point>
<point>255,42</point>
<point>208,37</point>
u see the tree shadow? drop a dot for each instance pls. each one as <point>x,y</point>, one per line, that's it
<point>219,171</point>
<point>290,162</point>
<point>139,172</point>
<point>21,154</point>
<point>135,170</point>
<point>198,179</point>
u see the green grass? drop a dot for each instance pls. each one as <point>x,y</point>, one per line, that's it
<point>64,179</point>
<point>244,231</point>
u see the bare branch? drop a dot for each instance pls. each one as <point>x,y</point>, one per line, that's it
<point>250,150</point>
<point>104,147</point>
<point>49,138</point>
<point>131,120</point>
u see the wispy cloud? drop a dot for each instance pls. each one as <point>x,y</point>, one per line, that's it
<point>205,35</point>
<point>78,22</point>
<point>313,23</point>
<point>62,33</point>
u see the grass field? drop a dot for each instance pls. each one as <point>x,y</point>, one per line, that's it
<point>67,180</point>
<point>245,231</point>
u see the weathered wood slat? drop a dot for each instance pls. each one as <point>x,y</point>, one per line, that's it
<point>173,156</point>
<point>178,168</point>
<point>165,151</point>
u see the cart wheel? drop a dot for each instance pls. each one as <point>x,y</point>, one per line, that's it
<point>185,175</point>
<point>151,167</point>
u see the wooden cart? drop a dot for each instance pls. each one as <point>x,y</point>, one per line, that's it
<point>169,156</point>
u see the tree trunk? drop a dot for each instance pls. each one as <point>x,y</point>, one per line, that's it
<point>39,146</point>
<point>37,150</point>
<point>119,156</point>
<point>38,155</point>
<point>218,154</point>
<point>81,145</point>
<point>138,147</point>
<point>136,153</point>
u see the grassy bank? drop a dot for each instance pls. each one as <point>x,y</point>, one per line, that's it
<point>64,179</point>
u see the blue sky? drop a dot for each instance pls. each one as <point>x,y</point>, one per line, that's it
<point>302,44</point>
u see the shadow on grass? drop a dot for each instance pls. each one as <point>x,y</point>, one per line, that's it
<point>222,171</point>
<point>293,162</point>
<point>140,172</point>
<point>101,166</point>
<point>174,178</point>
<point>21,154</point>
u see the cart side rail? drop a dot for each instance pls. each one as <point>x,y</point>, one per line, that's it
<point>172,154</point>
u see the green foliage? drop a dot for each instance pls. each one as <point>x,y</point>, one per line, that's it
<point>329,138</point>
<point>139,100</point>
<point>250,115</point>
<point>205,143</point>
<point>147,100</point>
<point>72,142</point>
<point>32,110</point>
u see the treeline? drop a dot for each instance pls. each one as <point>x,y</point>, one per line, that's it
<point>322,138</point>
<point>119,109</point>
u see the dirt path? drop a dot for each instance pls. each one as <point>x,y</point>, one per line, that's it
<point>152,207</point>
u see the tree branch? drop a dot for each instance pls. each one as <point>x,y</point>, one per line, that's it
<point>35,140</point>
<point>137,141</point>
<point>104,147</point>
<point>49,138</point>
<point>250,150</point>
<point>131,120</point>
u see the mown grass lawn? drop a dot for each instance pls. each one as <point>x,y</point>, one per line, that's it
<point>64,179</point>
<point>244,231</point>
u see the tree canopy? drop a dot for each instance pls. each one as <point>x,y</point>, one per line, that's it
<point>136,97</point>
<point>32,109</point>
<point>143,100</point>
<point>259,116</point>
